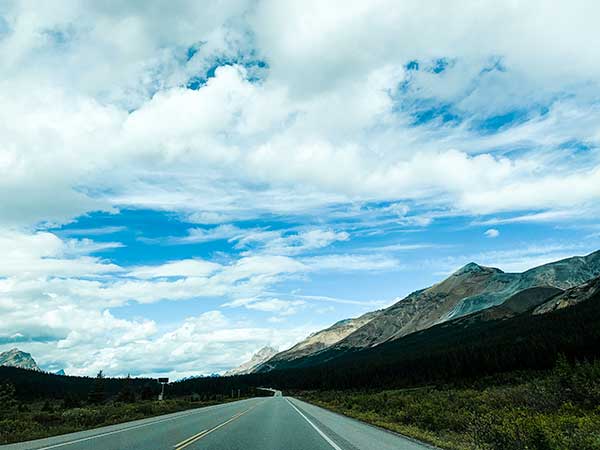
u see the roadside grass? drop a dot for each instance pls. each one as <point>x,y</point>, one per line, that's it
<point>23,422</point>
<point>554,410</point>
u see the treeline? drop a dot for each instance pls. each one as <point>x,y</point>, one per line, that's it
<point>33,385</point>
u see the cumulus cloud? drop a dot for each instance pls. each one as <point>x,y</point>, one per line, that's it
<point>233,133</point>
<point>57,299</point>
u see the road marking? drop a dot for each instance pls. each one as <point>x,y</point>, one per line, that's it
<point>323,435</point>
<point>121,430</point>
<point>190,438</point>
<point>116,431</point>
<point>197,437</point>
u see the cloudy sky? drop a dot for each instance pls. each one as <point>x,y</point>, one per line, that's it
<point>184,182</point>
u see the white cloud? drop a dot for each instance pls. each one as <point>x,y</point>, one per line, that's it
<point>275,242</point>
<point>264,241</point>
<point>492,233</point>
<point>273,305</point>
<point>58,299</point>
<point>352,262</point>
<point>333,131</point>
<point>199,235</point>
<point>209,342</point>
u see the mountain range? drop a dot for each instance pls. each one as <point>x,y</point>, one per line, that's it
<point>471,294</point>
<point>17,358</point>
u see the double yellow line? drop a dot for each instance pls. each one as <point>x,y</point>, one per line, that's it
<point>189,441</point>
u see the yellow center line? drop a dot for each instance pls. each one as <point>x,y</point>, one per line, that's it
<point>190,438</point>
<point>197,437</point>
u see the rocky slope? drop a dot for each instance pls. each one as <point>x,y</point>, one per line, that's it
<point>257,359</point>
<point>470,289</point>
<point>521,302</point>
<point>321,340</point>
<point>473,292</point>
<point>17,358</point>
<point>570,297</point>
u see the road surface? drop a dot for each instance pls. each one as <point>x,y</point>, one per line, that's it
<point>267,423</point>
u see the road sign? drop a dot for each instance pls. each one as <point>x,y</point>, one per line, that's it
<point>162,381</point>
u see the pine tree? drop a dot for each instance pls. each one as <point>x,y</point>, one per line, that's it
<point>8,400</point>
<point>126,394</point>
<point>97,394</point>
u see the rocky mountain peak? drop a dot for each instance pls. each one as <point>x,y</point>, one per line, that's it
<point>265,352</point>
<point>474,268</point>
<point>17,358</point>
<point>261,356</point>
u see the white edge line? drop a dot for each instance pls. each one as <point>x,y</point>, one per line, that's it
<point>62,444</point>
<point>323,435</point>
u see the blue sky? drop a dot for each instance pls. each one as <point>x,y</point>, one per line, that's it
<point>181,186</point>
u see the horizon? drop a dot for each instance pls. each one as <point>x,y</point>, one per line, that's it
<point>222,372</point>
<point>183,186</point>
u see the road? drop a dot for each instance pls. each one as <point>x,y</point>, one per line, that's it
<point>267,423</point>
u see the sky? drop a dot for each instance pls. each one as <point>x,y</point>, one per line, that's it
<point>183,182</point>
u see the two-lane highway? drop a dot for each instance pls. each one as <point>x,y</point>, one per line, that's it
<point>268,423</point>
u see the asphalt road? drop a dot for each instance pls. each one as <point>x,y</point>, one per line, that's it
<point>268,423</point>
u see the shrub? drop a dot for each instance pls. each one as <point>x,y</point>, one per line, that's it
<point>84,417</point>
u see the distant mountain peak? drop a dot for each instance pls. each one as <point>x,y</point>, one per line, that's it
<point>474,268</point>
<point>261,356</point>
<point>17,358</point>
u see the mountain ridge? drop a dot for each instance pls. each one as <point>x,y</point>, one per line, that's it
<point>470,289</point>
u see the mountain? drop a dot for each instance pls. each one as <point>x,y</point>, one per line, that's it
<point>257,359</point>
<point>471,289</point>
<point>320,340</point>
<point>60,372</point>
<point>17,358</point>
<point>530,339</point>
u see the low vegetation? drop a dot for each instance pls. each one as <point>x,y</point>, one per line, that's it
<point>553,410</point>
<point>37,420</point>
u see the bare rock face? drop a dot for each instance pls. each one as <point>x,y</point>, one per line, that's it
<point>250,366</point>
<point>321,340</point>
<point>570,297</point>
<point>17,358</point>
<point>519,303</point>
